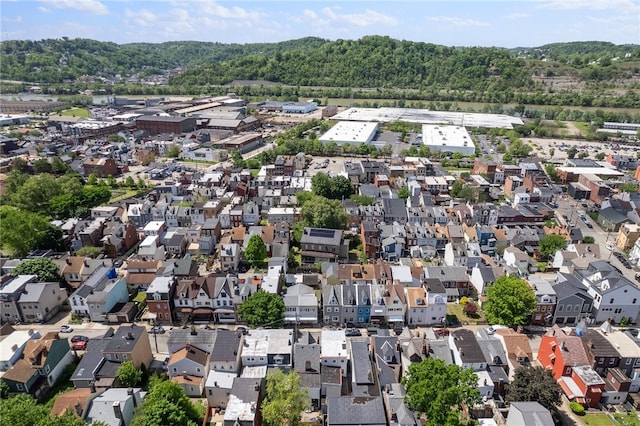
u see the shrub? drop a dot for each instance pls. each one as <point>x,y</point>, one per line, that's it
<point>577,408</point>
<point>464,300</point>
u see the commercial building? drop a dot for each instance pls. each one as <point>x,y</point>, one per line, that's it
<point>448,139</point>
<point>351,132</point>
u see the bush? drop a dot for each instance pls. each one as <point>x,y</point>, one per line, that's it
<point>464,300</point>
<point>577,408</point>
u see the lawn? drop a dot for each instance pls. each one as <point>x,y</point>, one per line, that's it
<point>597,420</point>
<point>630,419</point>
<point>456,309</point>
<point>77,112</point>
<point>121,194</point>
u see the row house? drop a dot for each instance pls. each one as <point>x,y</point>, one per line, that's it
<point>321,245</point>
<point>209,298</point>
<point>614,296</point>
<point>454,279</point>
<point>25,299</point>
<point>99,294</point>
<point>141,272</point>
<point>425,307</point>
<point>545,302</point>
<point>160,295</point>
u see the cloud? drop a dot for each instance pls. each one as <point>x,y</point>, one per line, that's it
<point>92,7</point>
<point>458,22</point>
<point>16,19</point>
<point>368,18</point>
<point>44,9</point>
<point>142,17</point>
<point>518,16</point>
<point>619,5</point>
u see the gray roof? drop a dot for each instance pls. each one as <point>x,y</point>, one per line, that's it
<point>91,360</point>
<point>361,363</point>
<point>180,337</point>
<point>126,338</point>
<point>470,350</point>
<point>528,414</point>
<point>244,388</point>
<point>322,236</point>
<point>348,410</point>
<point>439,349</point>
<point>33,291</point>
<point>226,345</point>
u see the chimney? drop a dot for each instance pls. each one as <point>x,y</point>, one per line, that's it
<point>116,410</point>
<point>129,336</point>
<point>185,375</point>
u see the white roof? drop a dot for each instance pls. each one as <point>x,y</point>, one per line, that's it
<point>18,338</point>
<point>333,344</point>
<point>160,285</point>
<point>353,132</point>
<point>624,344</point>
<point>220,379</point>
<point>154,225</point>
<point>446,136</point>
<point>590,171</point>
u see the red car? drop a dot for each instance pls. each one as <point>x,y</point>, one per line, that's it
<point>441,332</point>
<point>79,346</point>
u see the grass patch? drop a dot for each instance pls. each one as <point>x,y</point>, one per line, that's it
<point>77,112</point>
<point>597,420</point>
<point>456,309</point>
<point>120,194</point>
<point>629,419</point>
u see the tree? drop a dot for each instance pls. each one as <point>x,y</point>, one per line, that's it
<point>403,193</point>
<point>535,384</point>
<point>340,187</point>
<point>439,390</point>
<point>600,156</point>
<point>510,301</point>
<point>44,268</point>
<point>23,410</point>
<point>628,187</point>
<point>571,152</point>
<point>256,251</point>
<point>470,308</point>
<point>21,231</point>
<point>321,212</point>
<point>321,185</point>
<point>550,244</point>
<point>362,200</point>
<point>588,239</point>
<point>174,151</point>
<point>166,404</point>
<point>285,399</point>
<point>552,172</point>
<point>128,375</point>
<point>42,165</point>
<point>262,308</point>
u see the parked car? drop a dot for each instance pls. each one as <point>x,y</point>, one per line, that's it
<point>158,329</point>
<point>79,345</point>
<point>352,332</point>
<point>441,332</point>
<point>78,338</point>
<point>66,329</point>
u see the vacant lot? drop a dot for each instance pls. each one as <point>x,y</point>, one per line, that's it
<point>77,112</point>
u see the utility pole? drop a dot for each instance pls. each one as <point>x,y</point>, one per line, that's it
<point>155,334</point>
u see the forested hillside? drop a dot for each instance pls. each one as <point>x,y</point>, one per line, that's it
<point>55,60</point>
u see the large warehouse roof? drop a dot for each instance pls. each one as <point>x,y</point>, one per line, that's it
<point>351,132</point>
<point>425,116</point>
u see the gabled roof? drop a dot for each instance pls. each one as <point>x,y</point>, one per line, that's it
<point>191,353</point>
<point>350,410</point>
<point>34,356</point>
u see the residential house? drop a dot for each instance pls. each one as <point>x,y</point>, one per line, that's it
<point>614,296</point>
<point>386,355</point>
<point>528,413</point>
<point>129,343</point>
<point>584,386</point>
<point>416,306</point>
<point>545,302</point>
<point>602,354</point>
<point>42,362</point>
<point>226,352</point>
<point>160,295</point>
<point>364,380</point>
<point>627,347</point>
<point>301,305</point>
<point>484,276</point>
<point>201,338</point>
<point>208,298</point>
<point>356,410</point>
<point>230,257</point>
<point>396,305</point>
<point>560,352</point>
<point>118,238</point>
<point>243,407</point>
<point>573,302</point>
<point>141,272</point>
<point>517,348</point>
<point>99,294</point>
<point>40,301</point>
<point>454,279</point>
<point>398,412</point>
<point>13,346</point>
<point>517,259</point>
<point>270,347</point>
<point>333,352</point>
<point>115,407</point>
<point>306,354</point>
<point>436,301</point>
<point>10,294</point>
<point>75,401</point>
<point>627,236</point>
<point>332,305</point>
<point>321,245</point>
<point>188,367</point>
<point>467,353</point>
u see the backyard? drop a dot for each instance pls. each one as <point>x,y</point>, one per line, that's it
<point>604,420</point>
<point>457,310</point>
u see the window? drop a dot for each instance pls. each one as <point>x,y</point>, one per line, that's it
<point>20,386</point>
<point>611,301</point>
<point>47,369</point>
<point>124,356</point>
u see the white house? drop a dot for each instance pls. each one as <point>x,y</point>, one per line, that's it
<point>333,352</point>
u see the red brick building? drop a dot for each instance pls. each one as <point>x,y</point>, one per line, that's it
<point>155,125</point>
<point>101,167</point>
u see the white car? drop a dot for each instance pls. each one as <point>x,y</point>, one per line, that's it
<point>66,329</point>
<point>492,328</point>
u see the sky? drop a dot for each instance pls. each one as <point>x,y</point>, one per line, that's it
<point>501,23</point>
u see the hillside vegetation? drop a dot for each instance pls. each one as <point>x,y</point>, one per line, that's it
<point>563,74</point>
